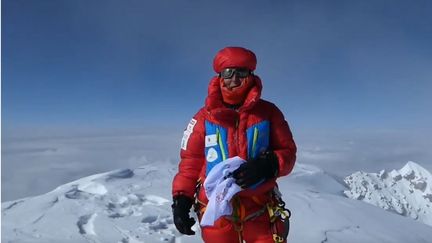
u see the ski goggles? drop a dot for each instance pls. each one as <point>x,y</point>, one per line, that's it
<point>229,72</point>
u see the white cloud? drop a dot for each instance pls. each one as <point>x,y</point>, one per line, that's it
<point>32,165</point>
<point>27,160</point>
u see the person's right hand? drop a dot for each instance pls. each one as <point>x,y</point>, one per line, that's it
<point>181,207</point>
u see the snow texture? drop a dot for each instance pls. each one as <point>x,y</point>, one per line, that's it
<point>134,206</point>
<point>407,191</point>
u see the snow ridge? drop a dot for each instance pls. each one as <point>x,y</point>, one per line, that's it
<point>407,191</point>
<point>133,206</point>
<point>118,206</point>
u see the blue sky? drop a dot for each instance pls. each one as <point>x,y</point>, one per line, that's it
<point>79,78</point>
<point>121,63</point>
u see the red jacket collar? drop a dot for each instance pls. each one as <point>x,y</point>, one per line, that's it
<point>214,97</point>
<point>217,111</point>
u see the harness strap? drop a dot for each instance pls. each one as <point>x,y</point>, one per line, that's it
<point>275,208</point>
<point>199,206</point>
<point>257,201</point>
<point>237,218</point>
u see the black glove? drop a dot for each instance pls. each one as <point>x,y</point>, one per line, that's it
<point>262,168</point>
<point>181,207</point>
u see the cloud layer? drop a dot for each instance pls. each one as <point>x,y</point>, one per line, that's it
<point>34,164</point>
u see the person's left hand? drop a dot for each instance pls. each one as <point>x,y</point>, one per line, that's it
<point>181,207</point>
<point>262,168</point>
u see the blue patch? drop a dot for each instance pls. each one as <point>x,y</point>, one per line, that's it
<point>215,152</point>
<point>262,132</point>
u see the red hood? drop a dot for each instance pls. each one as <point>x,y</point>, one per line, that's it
<point>218,111</point>
<point>214,97</point>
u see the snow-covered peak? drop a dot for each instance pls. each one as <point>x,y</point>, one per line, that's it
<point>407,191</point>
<point>415,173</point>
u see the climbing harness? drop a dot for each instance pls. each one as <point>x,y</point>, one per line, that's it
<point>275,208</point>
<point>199,207</point>
<point>278,211</point>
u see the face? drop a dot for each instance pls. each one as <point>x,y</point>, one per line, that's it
<point>233,77</point>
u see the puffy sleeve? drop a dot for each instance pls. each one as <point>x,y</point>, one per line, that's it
<point>192,157</point>
<point>282,142</point>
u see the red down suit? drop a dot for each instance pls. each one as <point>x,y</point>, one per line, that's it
<point>216,133</point>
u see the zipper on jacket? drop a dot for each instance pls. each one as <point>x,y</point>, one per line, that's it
<point>237,135</point>
<point>254,143</point>
<point>221,146</point>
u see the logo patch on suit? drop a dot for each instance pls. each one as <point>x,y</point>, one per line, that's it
<point>187,133</point>
<point>191,125</point>
<point>212,155</point>
<point>211,140</point>
<point>185,139</point>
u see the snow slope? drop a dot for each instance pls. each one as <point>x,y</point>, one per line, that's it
<point>407,191</point>
<point>134,206</point>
